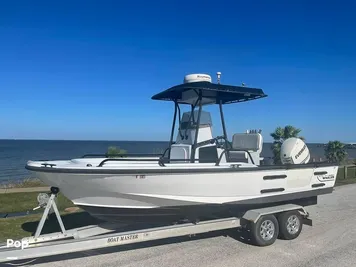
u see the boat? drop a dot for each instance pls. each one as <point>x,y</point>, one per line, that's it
<point>198,176</point>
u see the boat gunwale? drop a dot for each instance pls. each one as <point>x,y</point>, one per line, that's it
<point>165,170</point>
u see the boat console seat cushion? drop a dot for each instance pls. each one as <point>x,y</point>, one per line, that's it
<point>243,141</point>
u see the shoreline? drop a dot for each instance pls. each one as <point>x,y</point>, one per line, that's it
<point>24,190</point>
<point>21,183</point>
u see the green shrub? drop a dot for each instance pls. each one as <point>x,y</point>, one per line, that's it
<point>115,152</point>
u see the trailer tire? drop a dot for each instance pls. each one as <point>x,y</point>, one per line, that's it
<point>290,225</point>
<point>265,231</point>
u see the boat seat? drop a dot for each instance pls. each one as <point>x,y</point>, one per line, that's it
<point>247,141</point>
<point>251,142</point>
<point>208,154</point>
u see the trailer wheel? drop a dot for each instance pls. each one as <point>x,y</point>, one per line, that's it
<point>290,225</point>
<point>265,231</point>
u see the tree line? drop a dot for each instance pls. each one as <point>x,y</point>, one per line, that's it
<point>334,151</point>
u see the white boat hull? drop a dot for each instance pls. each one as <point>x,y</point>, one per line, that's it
<point>161,191</point>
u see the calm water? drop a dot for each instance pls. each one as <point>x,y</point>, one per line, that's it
<point>15,153</point>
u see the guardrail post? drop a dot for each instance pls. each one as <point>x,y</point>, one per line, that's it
<point>345,172</point>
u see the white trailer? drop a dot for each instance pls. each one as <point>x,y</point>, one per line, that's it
<point>265,226</point>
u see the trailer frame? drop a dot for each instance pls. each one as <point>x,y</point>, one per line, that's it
<point>108,234</point>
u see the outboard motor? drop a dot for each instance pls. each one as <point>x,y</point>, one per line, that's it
<point>294,151</point>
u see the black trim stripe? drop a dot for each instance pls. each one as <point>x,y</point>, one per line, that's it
<point>167,170</point>
<point>272,190</point>
<point>318,185</point>
<point>320,173</point>
<point>273,177</point>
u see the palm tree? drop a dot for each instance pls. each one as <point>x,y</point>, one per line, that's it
<point>335,151</point>
<point>279,136</point>
<point>115,152</point>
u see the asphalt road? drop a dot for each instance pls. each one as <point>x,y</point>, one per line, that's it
<point>331,241</point>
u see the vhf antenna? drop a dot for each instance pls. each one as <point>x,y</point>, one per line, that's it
<point>218,74</point>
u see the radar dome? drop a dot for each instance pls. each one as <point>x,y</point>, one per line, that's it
<point>191,78</point>
<point>294,151</point>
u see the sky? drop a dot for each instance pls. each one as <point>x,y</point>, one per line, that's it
<point>87,69</point>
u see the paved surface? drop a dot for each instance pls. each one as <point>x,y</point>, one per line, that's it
<point>330,242</point>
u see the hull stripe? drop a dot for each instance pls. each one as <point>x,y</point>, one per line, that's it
<point>318,185</point>
<point>273,177</point>
<point>272,190</point>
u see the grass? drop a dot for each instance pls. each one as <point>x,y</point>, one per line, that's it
<point>18,202</point>
<point>24,226</point>
<point>12,227</point>
<point>351,175</point>
<point>19,227</point>
<point>25,183</point>
<point>349,179</point>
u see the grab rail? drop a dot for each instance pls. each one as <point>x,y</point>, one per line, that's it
<point>160,161</point>
<point>123,159</point>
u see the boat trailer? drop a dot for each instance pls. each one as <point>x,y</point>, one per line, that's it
<point>265,225</point>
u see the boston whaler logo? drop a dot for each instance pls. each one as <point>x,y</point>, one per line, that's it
<point>122,238</point>
<point>326,177</point>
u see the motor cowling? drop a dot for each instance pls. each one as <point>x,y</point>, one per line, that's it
<point>294,151</point>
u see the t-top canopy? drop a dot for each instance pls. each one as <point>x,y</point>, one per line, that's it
<point>212,93</point>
